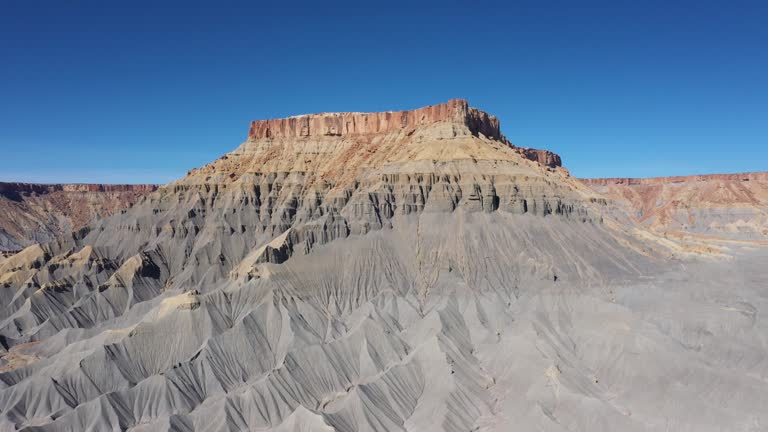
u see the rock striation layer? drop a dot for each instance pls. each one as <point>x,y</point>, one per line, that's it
<point>456,112</point>
<point>760,177</point>
<point>729,206</point>
<point>18,189</point>
<point>352,123</point>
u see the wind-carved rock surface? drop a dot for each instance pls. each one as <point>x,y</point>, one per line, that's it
<point>726,206</point>
<point>409,272</point>
<point>37,213</point>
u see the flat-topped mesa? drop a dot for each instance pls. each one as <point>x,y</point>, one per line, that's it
<point>353,123</point>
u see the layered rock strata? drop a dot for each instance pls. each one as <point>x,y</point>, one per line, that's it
<point>37,213</point>
<point>729,206</point>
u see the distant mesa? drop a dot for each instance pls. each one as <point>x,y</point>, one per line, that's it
<point>9,189</point>
<point>37,213</point>
<point>722,206</point>
<point>629,181</point>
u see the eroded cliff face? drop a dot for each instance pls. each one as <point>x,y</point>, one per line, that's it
<point>543,157</point>
<point>456,111</point>
<point>412,271</point>
<point>37,213</point>
<point>729,206</point>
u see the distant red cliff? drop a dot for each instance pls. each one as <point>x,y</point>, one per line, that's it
<point>36,213</point>
<point>10,187</point>
<point>716,205</point>
<point>750,176</point>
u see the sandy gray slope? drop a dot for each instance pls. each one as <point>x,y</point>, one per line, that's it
<point>420,280</point>
<point>364,335</point>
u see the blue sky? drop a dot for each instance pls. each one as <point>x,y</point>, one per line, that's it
<point>143,91</point>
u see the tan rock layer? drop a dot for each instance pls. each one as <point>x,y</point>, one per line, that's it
<point>352,123</point>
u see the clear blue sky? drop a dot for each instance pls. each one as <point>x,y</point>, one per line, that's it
<point>107,91</point>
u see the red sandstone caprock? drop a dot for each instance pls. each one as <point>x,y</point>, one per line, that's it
<point>351,123</point>
<point>345,124</point>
